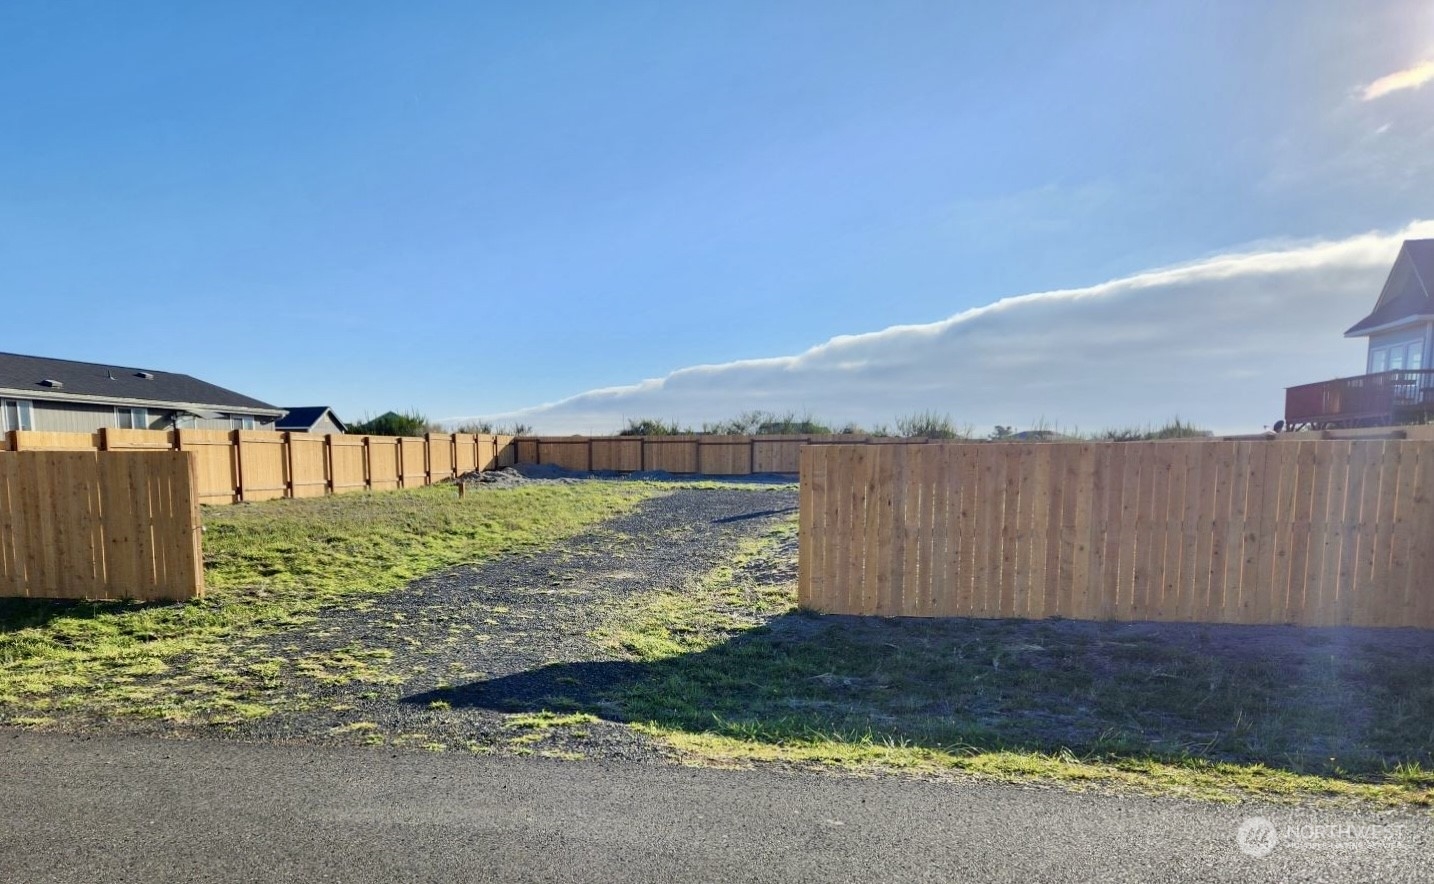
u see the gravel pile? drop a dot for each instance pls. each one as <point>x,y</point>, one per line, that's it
<point>512,477</point>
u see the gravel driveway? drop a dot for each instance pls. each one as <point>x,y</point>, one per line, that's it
<point>360,674</point>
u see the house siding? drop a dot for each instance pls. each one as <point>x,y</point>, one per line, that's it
<point>67,417</point>
<point>76,417</point>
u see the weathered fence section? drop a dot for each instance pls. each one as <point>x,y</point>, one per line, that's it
<point>249,465</point>
<point>709,455</point>
<point>1305,532</point>
<point>87,524</point>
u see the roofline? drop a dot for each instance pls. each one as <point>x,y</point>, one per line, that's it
<point>48,396</point>
<point>95,364</point>
<point>1389,326</point>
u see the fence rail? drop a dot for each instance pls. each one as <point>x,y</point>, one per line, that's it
<point>1307,532</point>
<point>249,465</point>
<point>82,524</point>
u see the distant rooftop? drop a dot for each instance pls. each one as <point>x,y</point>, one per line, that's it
<point>57,379</point>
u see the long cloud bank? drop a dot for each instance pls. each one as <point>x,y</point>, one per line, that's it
<point>1214,341</point>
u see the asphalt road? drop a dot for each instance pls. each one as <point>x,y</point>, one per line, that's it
<point>144,809</point>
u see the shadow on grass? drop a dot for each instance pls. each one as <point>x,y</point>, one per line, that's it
<point>25,613</point>
<point>761,514</point>
<point>1337,702</point>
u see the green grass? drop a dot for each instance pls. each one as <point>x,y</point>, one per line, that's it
<point>731,672</point>
<point>267,567</point>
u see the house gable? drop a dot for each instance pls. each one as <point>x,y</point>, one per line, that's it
<point>311,419</point>
<point>1406,297</point>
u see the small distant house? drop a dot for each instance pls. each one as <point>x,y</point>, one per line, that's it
<point>1396,387</point>
<point>311,419</point>
<point>61,395</point>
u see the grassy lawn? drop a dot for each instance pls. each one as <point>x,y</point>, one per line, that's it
<point>268,566</point>
<point>1215,712</point>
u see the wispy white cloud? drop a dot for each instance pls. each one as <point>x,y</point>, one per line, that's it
<point>1409,78</point>
<point>1214,341</point>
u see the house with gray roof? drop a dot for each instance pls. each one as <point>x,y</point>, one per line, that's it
<point>61,395</point>
<point>1401,326</point>
<point>311,419</point>
<point>1397,386</point>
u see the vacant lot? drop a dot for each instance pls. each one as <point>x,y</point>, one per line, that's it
<point>645,621</point>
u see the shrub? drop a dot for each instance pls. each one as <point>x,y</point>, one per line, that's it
<point>650,427</point>
<point>391,423</point>
<point>1173,429</point>
<point>488,428</point>
<point>929,425</point>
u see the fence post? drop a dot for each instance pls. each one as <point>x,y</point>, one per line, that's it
<point>367,467</point>
<point>238,447</point>
<point>288,465</point>
<point>329,465</point>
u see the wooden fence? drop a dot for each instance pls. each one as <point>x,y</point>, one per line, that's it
<point>82,524</point>
<point>707,455</point>
<point>1305,532</point>
<point>249,465</point>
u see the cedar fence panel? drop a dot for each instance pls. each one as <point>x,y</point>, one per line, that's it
<point>412,461</point>
<point>1310,532</point>
<point>308,464</point>
<point>348,463</point>
<point>38,440</point>
<point>263,465</point>
<point>487,453</point>
<point>383,463</point>
<point>99,525</point>
<point>506,454</point>
<point>724,455</point>
<point>711,455</point>
<point>622,454</point>
<point>235,465</point>
<point>440,457</point>
<point>777,454</point>
<point>112,439</point>
<point>465,453</point>
<point>672,454</point>
<point>570,454</point>
<point>216,463</point>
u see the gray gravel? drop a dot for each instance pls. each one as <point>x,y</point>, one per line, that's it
<point>467,625</point>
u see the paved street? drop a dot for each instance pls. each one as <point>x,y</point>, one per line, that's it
<point>106,809</point>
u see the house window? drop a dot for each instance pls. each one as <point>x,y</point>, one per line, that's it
<point>1378,360</point>
<point>132,418</point>
<point>1415,362</point>
<point>243,422</point>
<point>16,414</point>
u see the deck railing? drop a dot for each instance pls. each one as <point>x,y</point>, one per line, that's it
<point>1366,398</point>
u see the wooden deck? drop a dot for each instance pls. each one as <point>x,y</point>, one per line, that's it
<point>1388,398</point>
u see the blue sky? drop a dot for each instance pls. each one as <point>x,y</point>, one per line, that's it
<point>472,208</point>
